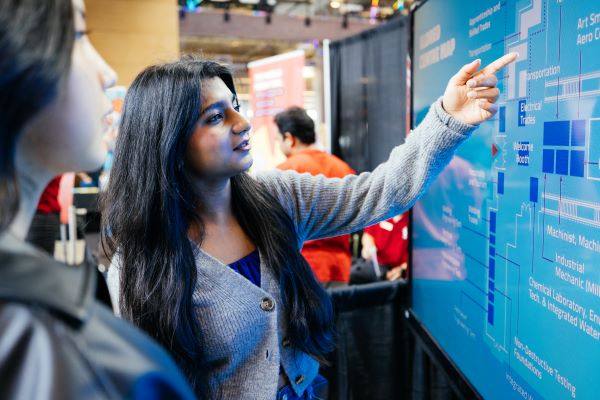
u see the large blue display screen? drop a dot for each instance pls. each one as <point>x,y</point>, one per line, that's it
<point>506,261</point>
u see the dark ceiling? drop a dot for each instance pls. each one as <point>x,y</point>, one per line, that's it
<point>226,30</point>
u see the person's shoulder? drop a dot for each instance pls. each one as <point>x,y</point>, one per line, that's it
<point>129,357</point>
<point>343,164</point>
<point>34,347</point>
<point>38,326</point>
<point>31,330</point>
<point>132,359</point>
<point>21,320</point>
<point>298,162</point>
<point>337,166</point>
<point>40,344</point>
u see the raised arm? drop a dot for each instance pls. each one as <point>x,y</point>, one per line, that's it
<point>324,207</point>
<point>471,95</point>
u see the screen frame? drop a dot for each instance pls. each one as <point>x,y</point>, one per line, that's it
<point>459,383</point>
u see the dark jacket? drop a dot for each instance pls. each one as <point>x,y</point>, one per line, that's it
<point>58,342</point>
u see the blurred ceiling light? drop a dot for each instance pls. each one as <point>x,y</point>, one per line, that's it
<point>272,3</point>
<point>374,10</point>
<point>398,5</point>
<point>351,8</point>
<point>335,4</point>
<point>192,5</point>
<point>308,72</point>
<point>386,11</point>
<point>249,1</point>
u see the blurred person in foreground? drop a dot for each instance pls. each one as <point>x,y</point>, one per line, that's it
<point>56,340</point>
<point>329,258</point>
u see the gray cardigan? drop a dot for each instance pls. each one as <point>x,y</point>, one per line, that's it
<point>244,327</point>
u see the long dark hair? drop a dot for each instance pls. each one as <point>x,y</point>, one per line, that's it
<point>36,39</point>
<point>149,206</point>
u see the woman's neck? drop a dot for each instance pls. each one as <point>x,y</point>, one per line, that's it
<point>222,235</point>
<point>215,200</point>
<point>30,190</point>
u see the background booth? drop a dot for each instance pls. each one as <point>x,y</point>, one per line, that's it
<point>504,293</point>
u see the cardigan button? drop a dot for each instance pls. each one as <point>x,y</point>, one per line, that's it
<point>286,342</point>
<point>299,379</point>
<point>267,304</point>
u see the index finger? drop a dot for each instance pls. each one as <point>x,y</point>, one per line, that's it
<point>500,63</point>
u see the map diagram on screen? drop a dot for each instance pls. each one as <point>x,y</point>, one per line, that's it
<point>506,259</point>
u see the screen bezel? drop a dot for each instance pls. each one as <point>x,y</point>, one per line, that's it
<point>459,383</point>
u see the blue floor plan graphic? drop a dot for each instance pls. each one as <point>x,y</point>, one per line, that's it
<point>506,243</point>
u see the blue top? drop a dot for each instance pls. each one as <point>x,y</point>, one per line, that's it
<point>248,267</point>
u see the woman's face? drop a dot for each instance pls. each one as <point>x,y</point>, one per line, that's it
<point>67,135</point>
<point>219,147</point>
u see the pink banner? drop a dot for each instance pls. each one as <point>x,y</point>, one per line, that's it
<point>276,83</point>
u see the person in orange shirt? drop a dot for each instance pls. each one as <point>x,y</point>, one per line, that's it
<point>330,258</point>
